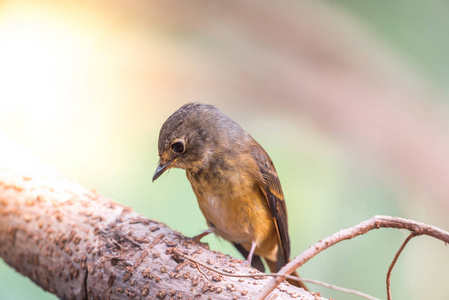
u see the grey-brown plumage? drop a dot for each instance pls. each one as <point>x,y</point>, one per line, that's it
<point>234,180</point>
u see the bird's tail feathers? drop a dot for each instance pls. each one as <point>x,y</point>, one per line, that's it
<point>274,269</point>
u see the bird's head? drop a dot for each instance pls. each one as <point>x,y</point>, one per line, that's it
<point>192,136</point>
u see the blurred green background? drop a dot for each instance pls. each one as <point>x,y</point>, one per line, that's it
<point>349,98</point>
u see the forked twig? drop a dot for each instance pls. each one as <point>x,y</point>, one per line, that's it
<point>312,281</point>
<point>375,222</point>
<point>199,270</point>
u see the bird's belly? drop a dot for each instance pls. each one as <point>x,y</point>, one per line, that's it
<point>239,220</point>
<point>236,209</point>
<point>228,219</point>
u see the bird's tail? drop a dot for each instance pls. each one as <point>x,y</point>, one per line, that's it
<point>273,268</point>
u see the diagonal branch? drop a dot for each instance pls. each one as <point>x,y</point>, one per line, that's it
<point>376,222</point>
<point>395,259</point>
<point>330,286</point>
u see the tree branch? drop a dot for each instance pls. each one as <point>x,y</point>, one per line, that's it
<point>375,222</point>
<point>327,285</point>
<point>77,244</point>
<point>395,259</point>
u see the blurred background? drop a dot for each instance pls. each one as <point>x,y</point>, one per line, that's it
<point>350,99</point>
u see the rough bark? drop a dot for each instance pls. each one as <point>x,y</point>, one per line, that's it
<point>77,244</point>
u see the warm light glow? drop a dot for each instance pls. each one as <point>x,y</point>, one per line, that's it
<point>65,78</point>
<point>49,67</point>
<point>40,58</point>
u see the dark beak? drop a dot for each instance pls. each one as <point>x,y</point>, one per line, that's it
<point>160,170</point>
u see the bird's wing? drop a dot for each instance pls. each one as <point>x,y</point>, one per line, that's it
<point>271,188</point>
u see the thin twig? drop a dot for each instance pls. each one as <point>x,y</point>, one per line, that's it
<point>390,269</point>
<point>312,281</point>
<point>375,222</point>
<point>337,288</point>
<point>177,252</point>
<point>199,270</point>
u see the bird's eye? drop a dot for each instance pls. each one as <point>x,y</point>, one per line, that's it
<point>177,147</point>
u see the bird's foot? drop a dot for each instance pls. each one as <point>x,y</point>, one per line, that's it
<point>197,238</point>
<point>247,263</point>
<point>251,253</point>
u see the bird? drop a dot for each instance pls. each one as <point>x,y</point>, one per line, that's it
<point>234,180</point>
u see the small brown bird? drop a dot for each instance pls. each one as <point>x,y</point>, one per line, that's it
<point>234,180</point>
